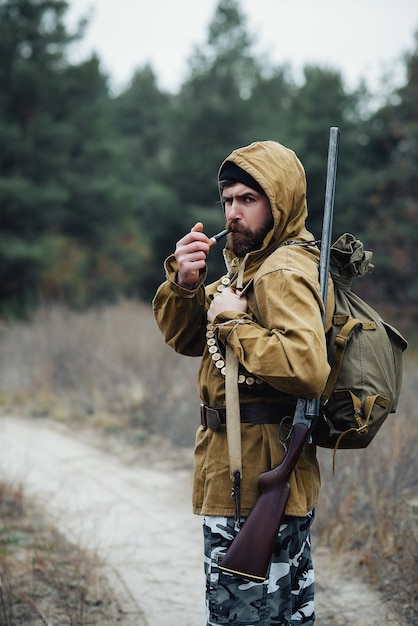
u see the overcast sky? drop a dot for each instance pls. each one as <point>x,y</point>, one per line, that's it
<point>360,38</point>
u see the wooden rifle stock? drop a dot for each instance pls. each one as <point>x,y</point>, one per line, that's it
<point>250,552</point>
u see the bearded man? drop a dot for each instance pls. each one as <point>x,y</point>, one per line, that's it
<point>266,311</point>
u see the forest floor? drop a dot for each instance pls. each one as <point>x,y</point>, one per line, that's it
<point>129,509</point>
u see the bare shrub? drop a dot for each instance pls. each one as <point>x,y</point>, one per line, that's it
<point>110,366</point>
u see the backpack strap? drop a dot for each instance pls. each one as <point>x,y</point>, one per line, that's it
<point>341,341</point>
<point>362,417</point>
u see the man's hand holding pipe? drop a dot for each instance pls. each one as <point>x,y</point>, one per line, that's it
<point>190,253</point>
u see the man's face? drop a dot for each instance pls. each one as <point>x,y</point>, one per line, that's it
<point>248,218</point>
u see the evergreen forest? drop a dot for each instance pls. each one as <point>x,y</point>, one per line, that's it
<point>96,187</point>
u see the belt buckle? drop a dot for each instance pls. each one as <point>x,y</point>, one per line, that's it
<point>213,421</point>
<point>209,418</point>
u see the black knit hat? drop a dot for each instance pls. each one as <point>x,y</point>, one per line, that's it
<point>234,173</point>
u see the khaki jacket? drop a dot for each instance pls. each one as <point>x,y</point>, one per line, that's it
<point>280,341</point>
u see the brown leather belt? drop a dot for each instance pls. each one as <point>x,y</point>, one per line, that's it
<point>213,417</point>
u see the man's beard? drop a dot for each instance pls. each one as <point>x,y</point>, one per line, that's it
<point>247,240</point>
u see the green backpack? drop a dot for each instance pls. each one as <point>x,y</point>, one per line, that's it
<point>365,354</point>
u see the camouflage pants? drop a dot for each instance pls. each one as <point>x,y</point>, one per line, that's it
<point>286,598</point>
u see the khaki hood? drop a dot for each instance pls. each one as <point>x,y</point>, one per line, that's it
<point>282,176</point>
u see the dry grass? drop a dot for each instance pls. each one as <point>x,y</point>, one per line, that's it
<point>106,370</point>
<point>110,370</point>
<point>43,578</point>
<point>370,506</point>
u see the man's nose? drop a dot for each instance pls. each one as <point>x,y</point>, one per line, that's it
<point>234,211</point>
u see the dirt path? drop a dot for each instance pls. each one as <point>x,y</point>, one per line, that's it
<point>137,517</point>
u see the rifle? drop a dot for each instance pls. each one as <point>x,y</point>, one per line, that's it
<point>250,552</point>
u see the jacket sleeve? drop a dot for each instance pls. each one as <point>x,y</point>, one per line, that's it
<point>180,313</point>
<point>286,345</point>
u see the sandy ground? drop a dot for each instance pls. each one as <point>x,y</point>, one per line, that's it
<point>137,517</point>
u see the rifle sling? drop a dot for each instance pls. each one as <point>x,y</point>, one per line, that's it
<point>233,418</point>
<point>233,428</point>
